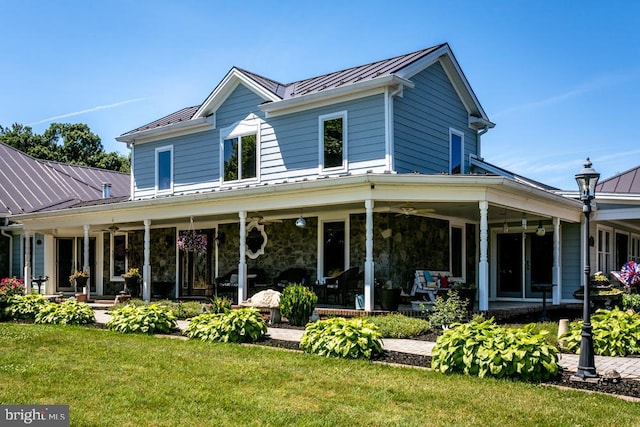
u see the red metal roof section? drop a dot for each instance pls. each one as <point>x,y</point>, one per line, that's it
<point>30,185</point>
<point>624,183</point>
<point>179,116</point>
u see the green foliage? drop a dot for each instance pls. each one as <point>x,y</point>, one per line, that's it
<point>70,312</point>
<point>297,303</point>
<point>397,325</point>
<point>238,326</point>
<point>631,302</point>
<point>615,333</point>
<point>147,319</point>
<point>25,306</point>
<point>447,311</point>
<point>219,305</point>
<point>64,142</point>
<point>355,338</point>
<point>486,349</point>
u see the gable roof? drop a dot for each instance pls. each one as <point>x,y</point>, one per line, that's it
<point>623,183</point>
<point>393,71</point>
<point>481,166</point>
<point>31,185</point>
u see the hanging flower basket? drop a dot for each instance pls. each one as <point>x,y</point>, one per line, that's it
<point>191,241</point>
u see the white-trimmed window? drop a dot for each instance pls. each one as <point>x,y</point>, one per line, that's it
<point>119,262</point>
<point>605,236</point>
<point>333,141</point>
<point>635,248</point>
<point>456,151</point>
<point>457,250</point>
<point>164,169</point>
<point>239,145</point>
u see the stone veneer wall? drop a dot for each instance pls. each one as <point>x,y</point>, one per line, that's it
<point>287,246</point>
<point>416,242</point>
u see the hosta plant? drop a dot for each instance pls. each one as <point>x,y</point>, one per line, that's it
<point>297,303</point>
<point>355,338</point>
<point>146,319</point>
<point>70,312</point>
<point>486,349</point>
<point>615,333</point>
<point>238,326</point>
<point>631,302</point>
<point>25,306</point>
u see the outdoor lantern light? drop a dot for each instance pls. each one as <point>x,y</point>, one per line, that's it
<point>587,179</point>
<point>540,231</point>
<point>300,222</point>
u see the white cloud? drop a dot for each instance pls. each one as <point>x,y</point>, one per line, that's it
<point>88,110</point>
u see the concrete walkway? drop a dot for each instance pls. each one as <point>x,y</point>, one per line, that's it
<point>628,367</point>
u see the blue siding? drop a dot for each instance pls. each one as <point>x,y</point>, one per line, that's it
<point>422,118</point>
<point>571,260</point>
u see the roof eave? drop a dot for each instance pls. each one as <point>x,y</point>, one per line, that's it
<point>189,126</point>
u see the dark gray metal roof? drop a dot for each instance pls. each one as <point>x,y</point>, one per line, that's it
<point>313,85</point>
<point>31,185</point>
<point>624,183</point>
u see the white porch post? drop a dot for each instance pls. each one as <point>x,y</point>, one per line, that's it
<point>368,262</point>
<point>146,267</point>
<point>27,262</point>
<point>85,258</point>
<point>242,265</point>
<point>483,267</point>
<point>556,270</point>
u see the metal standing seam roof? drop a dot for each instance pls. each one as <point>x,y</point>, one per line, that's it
<point>308,86</point>
<point>623,183</point>
<point>31,185</point>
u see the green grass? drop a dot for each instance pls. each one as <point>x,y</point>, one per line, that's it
<point>137,380</point>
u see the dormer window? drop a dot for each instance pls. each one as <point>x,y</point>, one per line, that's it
<point>164,169</point>
<point>456,150</point>
<point>240,150</point>
<point>333,141</point>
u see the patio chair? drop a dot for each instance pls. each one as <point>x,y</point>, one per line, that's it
<point>424,283</point>
<point>291,275</point>
<point>338,286</point>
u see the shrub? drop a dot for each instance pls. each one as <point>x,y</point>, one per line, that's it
<point>25,306</point>
<point>448,311</point>
<point>297,303</point>
<point>486,349</point>
<point>631,302</point>
<point>239,326</point>
<point>70,312</point>
<point>615,333</point>
<point>148,319</point>
<point>219,305</point>
<point>355,338</point>
<point>10,286</point>
<point>399,326</point>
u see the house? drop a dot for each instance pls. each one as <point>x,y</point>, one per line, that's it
<point>377,167</point>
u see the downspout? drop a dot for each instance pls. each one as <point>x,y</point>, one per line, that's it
<point>10,237</point>
<point>389,129</point>
<point>131,164</point>
<point>478,139</point>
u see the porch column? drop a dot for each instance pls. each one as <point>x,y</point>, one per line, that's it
<point>483,267</point>
<point>27,262</point>
<point>242,265</point>
<point>556,270</point>
<point>146,266</point>
<point>368,259</point>
<point>85,258</point>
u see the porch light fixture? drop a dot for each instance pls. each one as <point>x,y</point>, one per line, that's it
<point>524,222</point>
<point>587,179</point>
<point>505,226</point>
<point>540,231</point>
<point>300,222</point>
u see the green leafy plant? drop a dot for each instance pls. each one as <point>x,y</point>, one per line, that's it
<point>238,326</point>
<point>486,349</point>
<point>70,312</point>
<point>631,302</point>
<point>78,274</point>
<point>615,333</point>
<point>10,286</point>
<point>219,305</point>
<point>297,303</point>
<point>25,306</point>
<point>397,325</point>
<point>355,338</point>
<point>133,273</point>
<point>147,319</point>
<point>448,311</point>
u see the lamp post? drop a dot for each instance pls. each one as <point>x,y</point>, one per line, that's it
<point>587,179</point>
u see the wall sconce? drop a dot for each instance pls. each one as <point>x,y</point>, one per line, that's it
<point>505,226</point>
<point>540,231</point>
<point>300,222</point>
<point>524,222</point>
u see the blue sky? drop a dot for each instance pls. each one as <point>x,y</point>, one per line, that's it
<point>561,79</point>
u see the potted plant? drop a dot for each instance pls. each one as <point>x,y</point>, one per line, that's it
<point>131,282</point>
<point>466,291</point>
<point>79,278</point>
<point>390,296</point>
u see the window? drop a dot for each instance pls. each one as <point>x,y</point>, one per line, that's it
<point>333,234</point>
<point>622,250</point>
<point>457,252</point>
<point>635,247</point>
<point>604,250</point>
<point>333,141</point>
<point>119,263</point>
<point>456,150</point>
<point>164,169</point>
<point>240,157</point>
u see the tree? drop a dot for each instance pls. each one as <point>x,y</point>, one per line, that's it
<point>72,143</point>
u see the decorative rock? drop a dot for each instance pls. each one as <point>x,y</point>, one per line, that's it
<point>612,376</point>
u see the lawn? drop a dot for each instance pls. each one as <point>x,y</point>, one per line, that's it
<point>112,379</point>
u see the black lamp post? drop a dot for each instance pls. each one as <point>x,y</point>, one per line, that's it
<point>587,179</point>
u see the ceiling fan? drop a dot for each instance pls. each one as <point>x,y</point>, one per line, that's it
<point>407,210</point>
<point>259,219</point>
<point>111,229</point>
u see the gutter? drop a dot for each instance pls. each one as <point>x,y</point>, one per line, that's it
<point>192,125</point>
